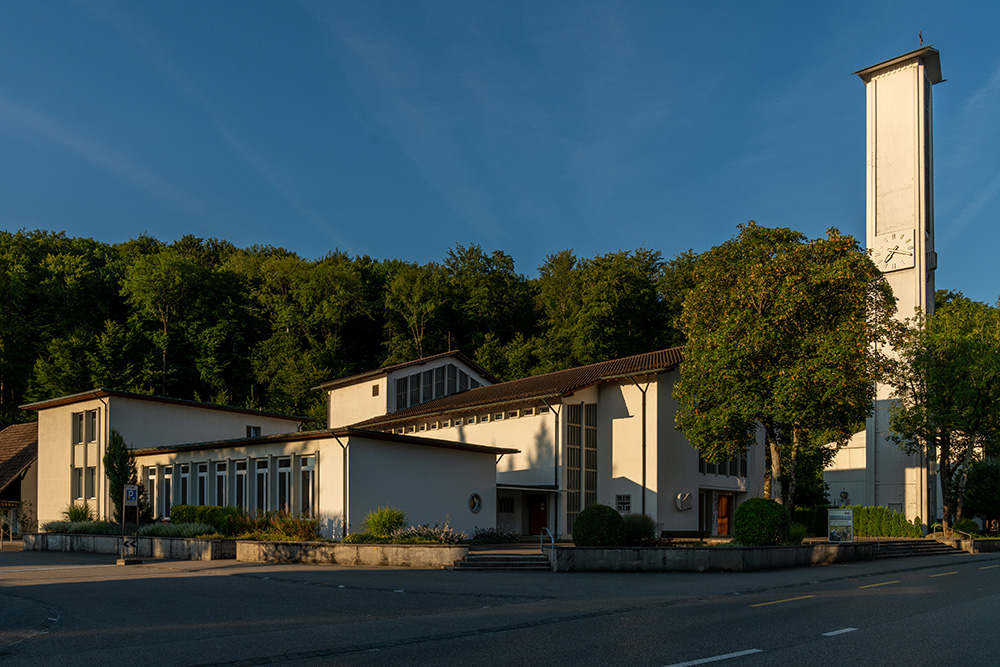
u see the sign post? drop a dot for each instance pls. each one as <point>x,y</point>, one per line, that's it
<point>129,546</point>
<point>841,525</point>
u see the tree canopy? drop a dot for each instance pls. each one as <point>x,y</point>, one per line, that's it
<point>948,391</point>
<point>783,335</point>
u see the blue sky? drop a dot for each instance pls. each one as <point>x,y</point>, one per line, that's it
<point>398,129</point>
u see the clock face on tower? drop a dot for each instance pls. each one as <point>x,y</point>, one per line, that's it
<point>893,251</point>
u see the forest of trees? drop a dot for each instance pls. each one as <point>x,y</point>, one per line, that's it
<point>259,327</point>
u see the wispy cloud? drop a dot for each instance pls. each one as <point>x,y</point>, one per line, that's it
<point>264,169</point>
<point>402,98</point>
<point>99,155</point>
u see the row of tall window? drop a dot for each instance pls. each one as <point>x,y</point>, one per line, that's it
<point>85,427</point>
<point>84,483</point>
<point>284,484</point>
<point>734,467</point>
<point>437,382</point>
<point>581,459</point>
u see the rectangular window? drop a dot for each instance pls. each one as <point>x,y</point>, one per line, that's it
<point>284,485</point>
<point>91,482</point>
<point>446,423</point>
<point>260,502</point>
<point>458,422</point>
<point>221,487</point>
<point>573,451</point>
<point>463,381</point>
<point>427,380</point>
<point>505,504</point>
<point>498,416</point>
<point>151,490</point>
<point>77,483</point>
<point>439,382</point>
<point>743,465</point>
<point>590,454</point>
<point>77,428</point>
<point>543,409</point>
<point>307,474</point>
<point>512,414</point>
<point>374,390</point>
<point>90,425</point>
<point>253,431</point>
<point>452,379</point>
<point>414,390</point>
<point>623,503</point>
<point>202,498</point>
<point>241,485</point>
<point>168,499</point>
<point>185,484</point>
<point>401,393</point>
<point>527,412</point>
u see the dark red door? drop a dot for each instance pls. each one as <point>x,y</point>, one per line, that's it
<point>537,514</point>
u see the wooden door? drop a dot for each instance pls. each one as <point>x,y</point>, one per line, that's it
<point>724,514</point>
<point>537,513</point>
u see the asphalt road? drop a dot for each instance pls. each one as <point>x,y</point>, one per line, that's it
<point>80,609</point>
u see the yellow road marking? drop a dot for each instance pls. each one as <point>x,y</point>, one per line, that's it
<point>989,567</point>
<point>944,574</point>
<point>884,583</point>
<point>764,604</point>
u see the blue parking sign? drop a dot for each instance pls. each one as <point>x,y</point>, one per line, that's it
<point>131,495</point>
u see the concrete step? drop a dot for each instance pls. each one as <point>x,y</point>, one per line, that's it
<point>503,562</point>
<point>910,548</point>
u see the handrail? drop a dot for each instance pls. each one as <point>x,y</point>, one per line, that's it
<point>541,538</point>
<point>949,529</point>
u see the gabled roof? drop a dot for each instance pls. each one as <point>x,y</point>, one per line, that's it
<point>551,385</point>
<point>335,433</point>
<point>105,393</point>
<point>18,450</point>
<point>385,370</point>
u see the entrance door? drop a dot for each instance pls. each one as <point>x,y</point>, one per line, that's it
<point>724,514</point>
<point>537,514</point>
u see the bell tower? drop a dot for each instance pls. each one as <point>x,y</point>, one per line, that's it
<point>870,470</point>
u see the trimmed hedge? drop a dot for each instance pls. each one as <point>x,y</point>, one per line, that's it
<point>761,522</point>
<point>882,522</point>
<point>598,526</point>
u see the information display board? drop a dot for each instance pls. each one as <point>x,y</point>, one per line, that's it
<point>841,525</point>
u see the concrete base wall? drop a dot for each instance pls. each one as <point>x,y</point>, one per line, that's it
<point>177,548</point>
<point>430,556</point>
<point>974,546</point>
<point>701,559</point>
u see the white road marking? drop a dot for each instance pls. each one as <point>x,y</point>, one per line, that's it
<point>717,658</point>
<point>839,632</point>
<point>4,570</point>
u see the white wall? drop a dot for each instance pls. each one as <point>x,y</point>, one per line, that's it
<point>355,403</point>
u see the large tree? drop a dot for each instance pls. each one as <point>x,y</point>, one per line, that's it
<point>948,391</point>
<point>784,334</point>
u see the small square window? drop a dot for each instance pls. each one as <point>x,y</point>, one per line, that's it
<point>543,409</point>
<point>253,431</point>
<point>623,503</point>
<point>458,422</point>
<point>527,412</point>
<point>484,418</point>
<point>512,414</point>
<point>374,390</point>
<point>446,423</point>
<point>498,416</point>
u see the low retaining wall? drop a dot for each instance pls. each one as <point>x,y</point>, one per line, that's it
<point>974,546</point>
<point>429,556</point>
<point>702,559</point>
<point>178,548</point>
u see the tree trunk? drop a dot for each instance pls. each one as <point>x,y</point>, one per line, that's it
<point>960,496</point>
<point>774,479</point>
<point>797,435</point>
<point>944,472</point>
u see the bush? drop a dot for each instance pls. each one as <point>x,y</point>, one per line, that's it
<point>796,534</point>
<point>882,522</point>
<point>85,527</point>
<point>176,530</point>
<point>75,513</point>
<point>639,529</point>
<point>598,526</point>
<point>427,535</point>
<point>498,535</point>
<point>383,521</point>
<point>761,522</point>
<point>362,538</point>
<point>967,526</point>
<point>227,520</point>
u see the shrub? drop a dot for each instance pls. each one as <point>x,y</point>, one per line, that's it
<point>75,513</point>
<point>761,522</point>
<point>226,520</point>
<point>796,533</point>
<point>598,526</point>
<point>362,538</point>
<point>880,521</point>
<point>383,521</point>
<point>498,535</point>
<point>84,527</point>
<point>273,527</point>
<point>437,534</point>
<point>967,526</point>
<point>639,529</point>
<point>176,530</point>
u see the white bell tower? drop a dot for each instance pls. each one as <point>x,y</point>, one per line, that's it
<point>900,236</point>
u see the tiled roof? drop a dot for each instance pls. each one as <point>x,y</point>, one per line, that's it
<point>550,385</point>
<point>18,450</point>
<point>385,370</point>
<point>104,393</point>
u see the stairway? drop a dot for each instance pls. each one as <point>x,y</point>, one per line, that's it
<point>503,562</point>
<point>907,548</point>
